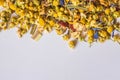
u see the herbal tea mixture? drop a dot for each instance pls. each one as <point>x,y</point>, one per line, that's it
<point>74,20</point>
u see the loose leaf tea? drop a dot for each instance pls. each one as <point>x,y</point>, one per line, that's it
<point>74,20</point>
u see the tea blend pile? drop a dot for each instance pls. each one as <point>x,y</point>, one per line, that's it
<point>75,20</point>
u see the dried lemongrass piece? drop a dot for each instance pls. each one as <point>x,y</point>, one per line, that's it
<point>37,35</point>
<point>33,29</point>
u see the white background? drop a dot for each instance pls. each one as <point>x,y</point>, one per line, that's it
<point>52,59</point>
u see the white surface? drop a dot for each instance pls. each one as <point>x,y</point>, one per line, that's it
<point>51,59</point>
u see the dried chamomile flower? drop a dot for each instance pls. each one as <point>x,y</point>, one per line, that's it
<point>41,22</point>
<point>36,2</point>
<point>113,9</point>
<point>62,8</point>
<point>81,38</point>
<point>55,2</point>
<point>21,32</point>
<point>117,26</point>
<point>104,2</point>
<point>12,6</point>
<point>3,25</point>
<point>95,17</point>
<point>90,33</point>
<point>12,25</point>
<point>99,8</point>
<point>66,37</point>
<point>48,28</point>
<point>110,19</point>
<point>107,11</point>
<point>60,31</point>
<point>90,40</point>
<point>115,1</point>
<point>75,2</point>
<point>93,23</point>
<point>2,2</point>
<point>103,33</point>
<point>116,37</point>
<point>72,43</point>
<point>116,14</point>
<point>110,29</point>
<point>92,7</point>
<point>101,39</point>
